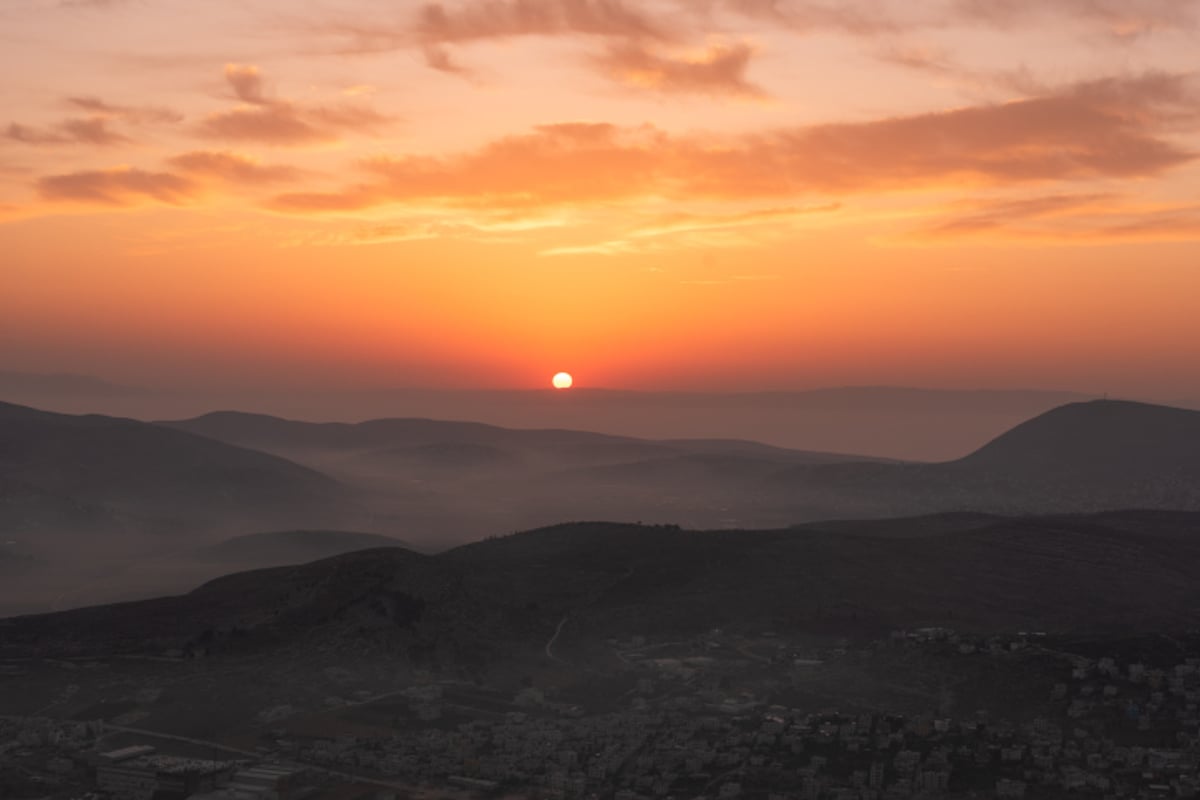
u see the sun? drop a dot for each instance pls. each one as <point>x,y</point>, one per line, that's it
<point>562,380</point>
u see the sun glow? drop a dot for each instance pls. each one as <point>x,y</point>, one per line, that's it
<point>562,380</point>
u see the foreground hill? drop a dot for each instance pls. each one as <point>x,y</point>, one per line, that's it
<point>291,547</point>
<point>141,571</point>
<point>1111,573</point>
<point>1077,458</point>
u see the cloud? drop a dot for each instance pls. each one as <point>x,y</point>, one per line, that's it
<point>861,18</point>
<point>1114,128</point>
<point>922,59</point>
<point>719,69</point>
<point>995,214</point>
<point>1062,219</point>
<point>1123,19</point>
<point>120,186</point>
<point>133,114</point>
<point>279,124</point>
<point>233,168</point>
<point>555,164</point>
<point>90,130</point>
<point>246,82</point>
<point>437,28</point>
<point>700,230</point>
<point>444,23</point>
<point>265,120</point>
<point>691,223</point>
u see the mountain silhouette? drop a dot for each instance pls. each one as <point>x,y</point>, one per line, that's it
<point>1106,573</point>
<point>61,474</point>
<point>1081,457</point>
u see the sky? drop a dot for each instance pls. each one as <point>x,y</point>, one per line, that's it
<point>723,195</point>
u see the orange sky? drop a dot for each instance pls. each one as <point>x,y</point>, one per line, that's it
<point>717,194</point>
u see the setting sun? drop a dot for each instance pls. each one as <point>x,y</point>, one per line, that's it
<point>562,380</point>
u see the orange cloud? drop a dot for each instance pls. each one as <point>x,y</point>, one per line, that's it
<point>691,223</point>
<point>492,19</point>
<point>1108,128</point>
<point>858,18</point>
<point>438,26</point>
<point>1121,18</point>
<point>233,168</point>
<point>246,82</point>
<point>719,69</point>
<point>92,130</point>
<point>133,114</point>
<point>121,186</point>
<point>1064,218</point>
<point>705,230</point>
<point>923,59</point>
<point>277,122</point>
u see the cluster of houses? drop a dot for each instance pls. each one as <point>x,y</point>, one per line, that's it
<point>1115,726</point>
<point>1107,730</point>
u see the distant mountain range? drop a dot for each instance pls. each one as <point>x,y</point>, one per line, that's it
<point>1080,457</point>
<point>100,494</point>
<point>891,422</point>
<point>478,479</point>
<point>48,386</point>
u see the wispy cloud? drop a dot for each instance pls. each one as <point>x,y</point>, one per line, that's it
<point>134,114</point>
<point>857,17</point>
<point>683,229</point>
<point>1114,128</point>
<point>920,58</point>
<point>669,224</point>
<point>1062,219</point>
<point>265,120</point>
<point>718,69</point>
<point>94,129</point>
<point>86,130</point>
<point>1122,19</point>
<point>120,186</point>
<point>233,168</point>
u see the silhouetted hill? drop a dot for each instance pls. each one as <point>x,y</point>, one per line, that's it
<point>1080,457</point>
<point>75,474</point>
<point>272,433</point>
<point>470,480</point>
<point>385,435</point>
<point>894,422</point>
<point>1102,439</point>
<point>1108,573</point>
<point>292,547</point>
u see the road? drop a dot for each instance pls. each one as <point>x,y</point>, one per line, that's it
<point>257,756</point>
<point>554,638</point>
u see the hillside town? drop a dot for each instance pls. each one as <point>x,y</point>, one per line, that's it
<point>1112,726</point>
